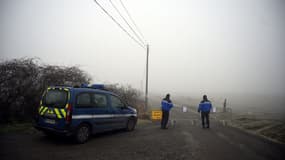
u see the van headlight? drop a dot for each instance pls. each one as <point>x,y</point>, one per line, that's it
<point>133,109</point>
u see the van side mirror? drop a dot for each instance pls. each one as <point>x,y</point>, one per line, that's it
<point>123,107</point>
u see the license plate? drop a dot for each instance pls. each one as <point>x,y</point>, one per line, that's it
<point>50,121</point>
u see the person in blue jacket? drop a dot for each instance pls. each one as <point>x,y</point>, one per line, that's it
<point>205,107</point>
<point>166,105</point>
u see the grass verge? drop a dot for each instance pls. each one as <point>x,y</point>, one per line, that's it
<point>24,127</point>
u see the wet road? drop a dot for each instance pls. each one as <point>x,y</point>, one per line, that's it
<point>184,140</point>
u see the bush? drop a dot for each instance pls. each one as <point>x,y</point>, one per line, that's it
<point>126,93</point>
<point>131,96</point>
<point>22,82</point>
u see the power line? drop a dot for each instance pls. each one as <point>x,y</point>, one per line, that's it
<point>132,19</point>
<point>119,24</point>
<point>147,46</point>
<point>114,6</point>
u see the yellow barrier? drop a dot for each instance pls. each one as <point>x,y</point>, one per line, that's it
<point>156,115</point>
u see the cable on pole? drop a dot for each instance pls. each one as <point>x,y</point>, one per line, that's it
<point>128,13</point>
<point>114,6</point>
<point>106,12</point>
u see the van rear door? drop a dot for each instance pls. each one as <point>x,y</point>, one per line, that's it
<point>53,107</point>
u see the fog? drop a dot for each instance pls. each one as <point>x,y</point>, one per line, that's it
<point>220,48</point>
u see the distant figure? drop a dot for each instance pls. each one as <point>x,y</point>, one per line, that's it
<point>204,107</point>
<point>166,105</point>
<point>225,105</point>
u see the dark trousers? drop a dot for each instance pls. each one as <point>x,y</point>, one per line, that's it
<point>205,115</point>
<point>164,120</point>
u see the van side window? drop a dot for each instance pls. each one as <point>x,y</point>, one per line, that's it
<point>116,102</point>
<point>99,100</point>
<point>84,99</point>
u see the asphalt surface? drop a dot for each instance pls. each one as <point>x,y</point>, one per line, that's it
<point>183,140</point>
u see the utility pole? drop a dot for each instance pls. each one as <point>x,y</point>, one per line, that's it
<point>146,81</point>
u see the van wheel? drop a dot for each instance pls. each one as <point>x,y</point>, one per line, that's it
<point>131,124</point>
<point>82,133</point>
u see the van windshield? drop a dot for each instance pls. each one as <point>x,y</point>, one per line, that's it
<point>55,98</point>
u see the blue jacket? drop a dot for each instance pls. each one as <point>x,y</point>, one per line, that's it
<point>205,106</point>
<point>165,105</point>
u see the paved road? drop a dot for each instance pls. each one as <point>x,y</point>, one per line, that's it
<point>187,140</point>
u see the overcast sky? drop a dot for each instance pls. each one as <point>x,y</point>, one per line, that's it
<point>202,46</point>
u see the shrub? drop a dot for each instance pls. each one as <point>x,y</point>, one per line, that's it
<point>22,82</point>
<point>126,93</point>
